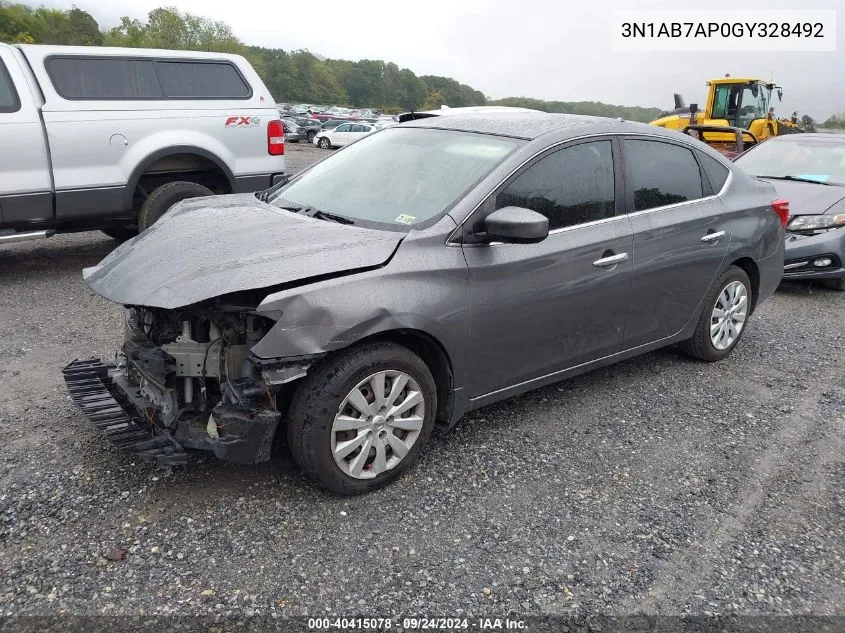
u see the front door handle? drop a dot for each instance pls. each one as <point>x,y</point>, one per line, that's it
<point>713,237</point>
<point>612,260</point>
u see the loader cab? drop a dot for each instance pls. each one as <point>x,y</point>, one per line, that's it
<point>739,101</point>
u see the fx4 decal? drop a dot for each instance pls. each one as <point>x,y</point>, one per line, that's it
<point>243,121</point>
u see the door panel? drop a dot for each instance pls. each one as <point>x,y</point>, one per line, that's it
<point>536,309</point>
<point>678,248</point>
<point>25,181</point>
<point>540,308</point>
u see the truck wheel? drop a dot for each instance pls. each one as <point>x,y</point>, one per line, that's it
<point>361,419</point>
<point>164,197</point>
<point>121,233</point>
<point>723,319</point>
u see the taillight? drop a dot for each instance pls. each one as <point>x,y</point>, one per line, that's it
<point>275,138</point>
<point>781,207</point>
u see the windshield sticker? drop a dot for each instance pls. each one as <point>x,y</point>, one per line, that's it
<point>817,177</point>
<point>405,219</point>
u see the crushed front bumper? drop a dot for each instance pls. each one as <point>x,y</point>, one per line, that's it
<point>115,405</point>
<point>92,389</point>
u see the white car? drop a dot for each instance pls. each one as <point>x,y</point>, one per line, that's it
<point>343,134</point>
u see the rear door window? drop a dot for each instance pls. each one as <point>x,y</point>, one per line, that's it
<point>571,186</point>
<point>9,101</point>
<point>85,78</point>
<point>201,80</point>
<point>660,174</point>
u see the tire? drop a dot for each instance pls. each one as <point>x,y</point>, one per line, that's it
<point>701,344</point>
<point>310,136</point>
<point>835,284</point>
<point>324,143</point>
<point>318,400</point>
<point>162,198</point>
<point>121,233</point>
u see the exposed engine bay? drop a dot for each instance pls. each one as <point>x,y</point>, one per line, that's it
<point>189,374</point>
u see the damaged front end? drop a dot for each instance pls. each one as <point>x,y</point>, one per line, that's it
<point>186,379</point>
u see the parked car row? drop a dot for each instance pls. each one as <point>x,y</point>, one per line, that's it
<point>324,113</point>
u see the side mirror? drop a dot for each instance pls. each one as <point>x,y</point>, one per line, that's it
<point>780,94</point>
<point>516,225</point>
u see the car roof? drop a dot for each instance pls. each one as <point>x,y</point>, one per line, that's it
<point>528,124</point>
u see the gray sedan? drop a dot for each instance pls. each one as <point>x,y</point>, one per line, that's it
<point>809,171</point>
<point>430,269</point>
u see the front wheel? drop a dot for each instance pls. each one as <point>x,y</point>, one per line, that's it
<point>324,143</point>
<point>310,136</point>
<point>362,418</point>
<point>722,322</point>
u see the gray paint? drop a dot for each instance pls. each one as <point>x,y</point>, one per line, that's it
<point>511,317</point>
<point>208,247</point>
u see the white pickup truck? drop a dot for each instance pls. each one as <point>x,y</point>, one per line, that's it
<point>111,138</point>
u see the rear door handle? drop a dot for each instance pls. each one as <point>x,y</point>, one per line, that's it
<point>612,260</point>
<point>713,237</point>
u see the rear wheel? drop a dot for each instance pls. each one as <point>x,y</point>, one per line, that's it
<point>362,418</point>
<point>722,322</point>
<point>162,198</point>
<point>324,143</point>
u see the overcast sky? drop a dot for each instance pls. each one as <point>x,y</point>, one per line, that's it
<point>548,49</point>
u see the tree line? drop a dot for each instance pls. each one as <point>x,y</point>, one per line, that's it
<point>292,76</point>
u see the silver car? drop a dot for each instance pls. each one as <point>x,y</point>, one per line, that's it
<point>809,171</point>
<point>430,269</point>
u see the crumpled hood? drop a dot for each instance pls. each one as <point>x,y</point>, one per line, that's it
<point>806,198</point>
<point>208,247</point>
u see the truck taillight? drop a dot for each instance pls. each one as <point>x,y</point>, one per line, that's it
<point>275,138</point>
<point>781,207</point>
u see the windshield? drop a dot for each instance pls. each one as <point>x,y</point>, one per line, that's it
<point>399,176</point>
<point>821,161</point>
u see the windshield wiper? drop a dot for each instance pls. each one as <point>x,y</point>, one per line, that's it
<point>311,212</point>
<point>799,179</point>
<point>325,215</point>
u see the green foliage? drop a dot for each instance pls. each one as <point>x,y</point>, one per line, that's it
<point>593,108</point>
<point>295,76</point>
<point>837,121</point>
<point>435,99</point>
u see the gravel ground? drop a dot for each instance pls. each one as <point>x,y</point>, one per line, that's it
<point>659,485</point>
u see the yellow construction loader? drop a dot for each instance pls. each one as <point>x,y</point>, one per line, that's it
<point>742,107</point>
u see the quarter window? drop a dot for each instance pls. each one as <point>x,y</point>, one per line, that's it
<point>572,186</point>
<point>716,172</point>
<point>661,174</point>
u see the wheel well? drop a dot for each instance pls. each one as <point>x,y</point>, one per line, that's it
<point>433,355</point>
<point>747,264</point>
<point>180,166</point>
